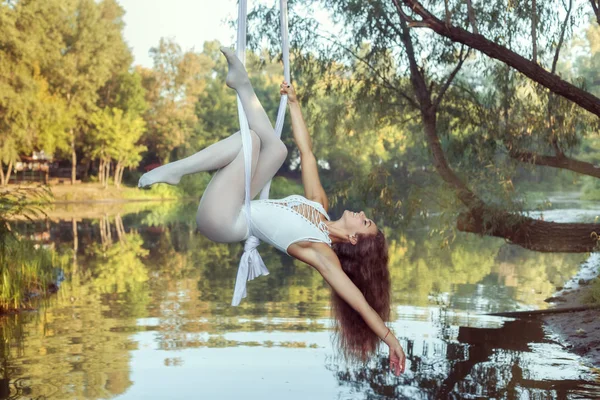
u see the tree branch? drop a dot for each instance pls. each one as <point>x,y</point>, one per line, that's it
<point>448,82</point>
<point>447,14</point>
<point>562,37</point>
<point>551,97</point>
<point>561,162</point>
<point>596,8</point>
<point>385,81</point>
<point>429,116</point>
<point>533,31</point>
<point>531,70</point>
<point>402,14</point>
<point>472,19</point>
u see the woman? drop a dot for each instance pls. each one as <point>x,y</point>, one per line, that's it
<point>348,252</point>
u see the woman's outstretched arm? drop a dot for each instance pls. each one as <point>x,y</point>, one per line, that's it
<point>324,260</point>
<point>313,189</point>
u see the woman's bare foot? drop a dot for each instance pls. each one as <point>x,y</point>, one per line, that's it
<point>237,75</point>
<point>162,174</point>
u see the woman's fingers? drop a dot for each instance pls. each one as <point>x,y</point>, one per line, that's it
<point>397,361</point>
<point>402,363</point>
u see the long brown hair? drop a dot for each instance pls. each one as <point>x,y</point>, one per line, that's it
<point>366,264</point>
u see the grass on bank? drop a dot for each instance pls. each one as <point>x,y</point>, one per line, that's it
<point>28,272</point>
<point>26,268</point>
<point>90,192</point>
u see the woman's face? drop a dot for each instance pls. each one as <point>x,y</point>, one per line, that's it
<point>357,222</point>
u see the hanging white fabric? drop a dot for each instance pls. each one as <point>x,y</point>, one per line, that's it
<point>251,265</point>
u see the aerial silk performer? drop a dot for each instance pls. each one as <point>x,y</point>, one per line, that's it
<point>350,253</point>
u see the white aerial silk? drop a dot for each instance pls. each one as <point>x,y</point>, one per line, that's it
<point>251,264</point>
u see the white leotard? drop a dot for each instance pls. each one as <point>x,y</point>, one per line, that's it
<point>280,223</point>
<point>286,221</point>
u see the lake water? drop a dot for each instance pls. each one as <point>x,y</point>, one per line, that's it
<point>144,312</point>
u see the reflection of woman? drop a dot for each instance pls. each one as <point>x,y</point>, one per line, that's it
<point>350,253</point>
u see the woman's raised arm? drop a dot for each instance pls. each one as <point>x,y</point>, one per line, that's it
<point>313,189</point>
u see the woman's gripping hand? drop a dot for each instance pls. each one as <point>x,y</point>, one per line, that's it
<point>287,88</point>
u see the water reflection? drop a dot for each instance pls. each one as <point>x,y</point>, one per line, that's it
<point>144,313</point>
<point>516,361</point>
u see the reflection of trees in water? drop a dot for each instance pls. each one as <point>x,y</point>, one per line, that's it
<point>484,363</point>
<point>195,278</point>
<point>78,347</point>
<point>487,270</point>
<point>193,286</point>
<point>475,268</point>
<point>185,281</point>
<point>72,350</point>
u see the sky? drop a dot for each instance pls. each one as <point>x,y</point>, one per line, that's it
<point>189,22</point>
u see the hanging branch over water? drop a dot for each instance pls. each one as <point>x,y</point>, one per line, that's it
<point>479,42</point>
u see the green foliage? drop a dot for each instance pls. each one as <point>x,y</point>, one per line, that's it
<point>591,189</point>
<point>21,202</point>
<point>282,187</point>
<point>119,267</point>
<point>164,192</point>
<point>25,268</point>
<point>114,136</point>
<point>355,84</point>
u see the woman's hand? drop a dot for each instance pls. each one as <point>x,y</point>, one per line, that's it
<point>286,88</point>
<point>397,359</point>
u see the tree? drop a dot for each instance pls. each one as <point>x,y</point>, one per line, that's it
<point>31,116</point>
<point>426,78</point>
<point>125,150</point>
<point>172,87</point>
<point>114,136</point>
<point>92,47</point>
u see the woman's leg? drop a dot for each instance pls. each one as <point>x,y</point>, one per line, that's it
<point>272,152</point>
<point>211,158</point>
<point>219,217</point>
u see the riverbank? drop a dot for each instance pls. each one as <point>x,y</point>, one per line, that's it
<point>95,192</point>
<point>578,331</point>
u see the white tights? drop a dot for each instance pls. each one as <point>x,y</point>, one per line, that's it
<point>219,214</point>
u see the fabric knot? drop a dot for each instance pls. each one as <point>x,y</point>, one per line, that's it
<point>251,266</point>
<point>251,243</point>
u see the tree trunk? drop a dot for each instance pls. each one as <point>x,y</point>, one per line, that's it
<point>2,174</point>
<point>75,245</point>
<point>101,171</point>
<point>108,230</point>
<point>532,234</point>
<point>8,172</point>
<point>117,173</point>
<point>560,161</point>
<point>73,159</point>
<point>106,173</point>
<point>121,175</point>
<point>596,9</point>
<point>120,228</point>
